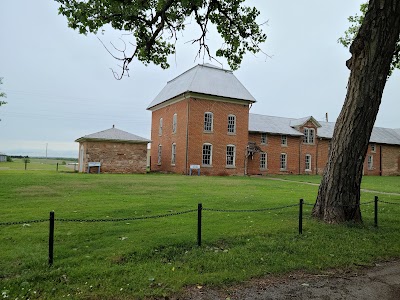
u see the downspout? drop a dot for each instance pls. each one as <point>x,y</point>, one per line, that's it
<point>316,156</point>
<point>187,136</point>
<point>300,143</point>
<point>380,160</point>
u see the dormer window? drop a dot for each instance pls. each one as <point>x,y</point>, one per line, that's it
<point>283,140</point>
<point>309,135</point>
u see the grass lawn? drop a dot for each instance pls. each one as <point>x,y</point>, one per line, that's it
<point>386,184</point>
<point>158,257</point>
<point>36,164</point>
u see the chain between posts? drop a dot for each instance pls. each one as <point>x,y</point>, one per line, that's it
<point>125,219</point>
<point>248,210</point>
<point>23,222</point>
<point>364,203</point>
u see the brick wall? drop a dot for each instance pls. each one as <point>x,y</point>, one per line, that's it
<point>274,149</point>
<point>190,136</point>
<point>115,157</point>
<point>219,137</point>
<point>322,154</point>
<point>167,138</point>
<point>390,160</point>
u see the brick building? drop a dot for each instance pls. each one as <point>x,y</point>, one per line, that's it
<point>202,118</point>
<point>116,150</point>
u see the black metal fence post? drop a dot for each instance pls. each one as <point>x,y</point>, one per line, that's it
<point>51,239</point>
<point>57,167</point>
<point>376,212</point>
<point>199,209</point>
<point>301,216</point>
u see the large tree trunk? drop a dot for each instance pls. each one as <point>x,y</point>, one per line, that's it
<point>372,51</point>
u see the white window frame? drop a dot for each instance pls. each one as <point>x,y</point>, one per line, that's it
<point>308,162</point>
<point>174,122</point>
<point>208,121</point>
<point>173,154</point>
<point>230,155</point>
<point>264,139</point>
<point>160,127</point>
<point>283,162</point>
<point>263,160</point>
<point>159,153</point>
<point>231,124</point>
<point>309,135</point>
<point>373,148</point>
<point>208,154</point>
<point>370,162</point>
<point>284,140</point>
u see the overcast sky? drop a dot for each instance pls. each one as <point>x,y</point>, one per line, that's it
<point>59,85</point>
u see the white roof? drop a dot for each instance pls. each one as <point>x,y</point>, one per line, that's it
<point>204,79</point>
<point>279,125</point>
<point>113,134</point>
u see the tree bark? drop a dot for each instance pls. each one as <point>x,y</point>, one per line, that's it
<point>372,51</point>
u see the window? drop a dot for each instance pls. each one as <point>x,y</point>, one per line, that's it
<point>230,155</point>
<point>159,155</point>
<point>207,155</point>
<point>208,122</point>
<point>173,154</point>
<point>231,124</point>
<point>174,123</point>
<point>373,148</point>
<point>160,127</point>
<point>263,161</point>
<point>309,134</point>
<point>263,138</point>
<point>308,162</point>
<point>370,162</point>
<point>283,140</point>
<point>283,161</point>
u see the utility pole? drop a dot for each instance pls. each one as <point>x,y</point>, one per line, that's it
<point>46,151</point>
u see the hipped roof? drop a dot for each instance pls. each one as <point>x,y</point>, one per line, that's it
<point>113,135</point>
<point>204,79</point>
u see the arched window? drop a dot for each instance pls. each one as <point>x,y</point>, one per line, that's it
<point>174,122</point>
<point>230,155</point>
<point>263,161</point>
<point>159,155</point>
<point>173,154</point>
<point>308,162</point>
<point>207,155</point>
<point>283,162</point>
<point>208,122</point>
<point>160,127</point>
<point>231,124</point>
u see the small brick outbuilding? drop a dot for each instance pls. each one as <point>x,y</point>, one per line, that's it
<point>116,150</point>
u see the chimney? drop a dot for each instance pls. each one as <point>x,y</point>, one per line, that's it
<point>326,117</point>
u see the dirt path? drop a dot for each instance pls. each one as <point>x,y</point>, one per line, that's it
<point>379,282</point>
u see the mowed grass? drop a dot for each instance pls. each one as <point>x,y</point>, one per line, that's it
<point>135,259</point>
<point>384,184</point>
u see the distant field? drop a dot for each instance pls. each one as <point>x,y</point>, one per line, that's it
<point>158,257</point>
<point>38,164</point>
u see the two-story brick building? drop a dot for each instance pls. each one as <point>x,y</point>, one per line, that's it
<point>202,118</point>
